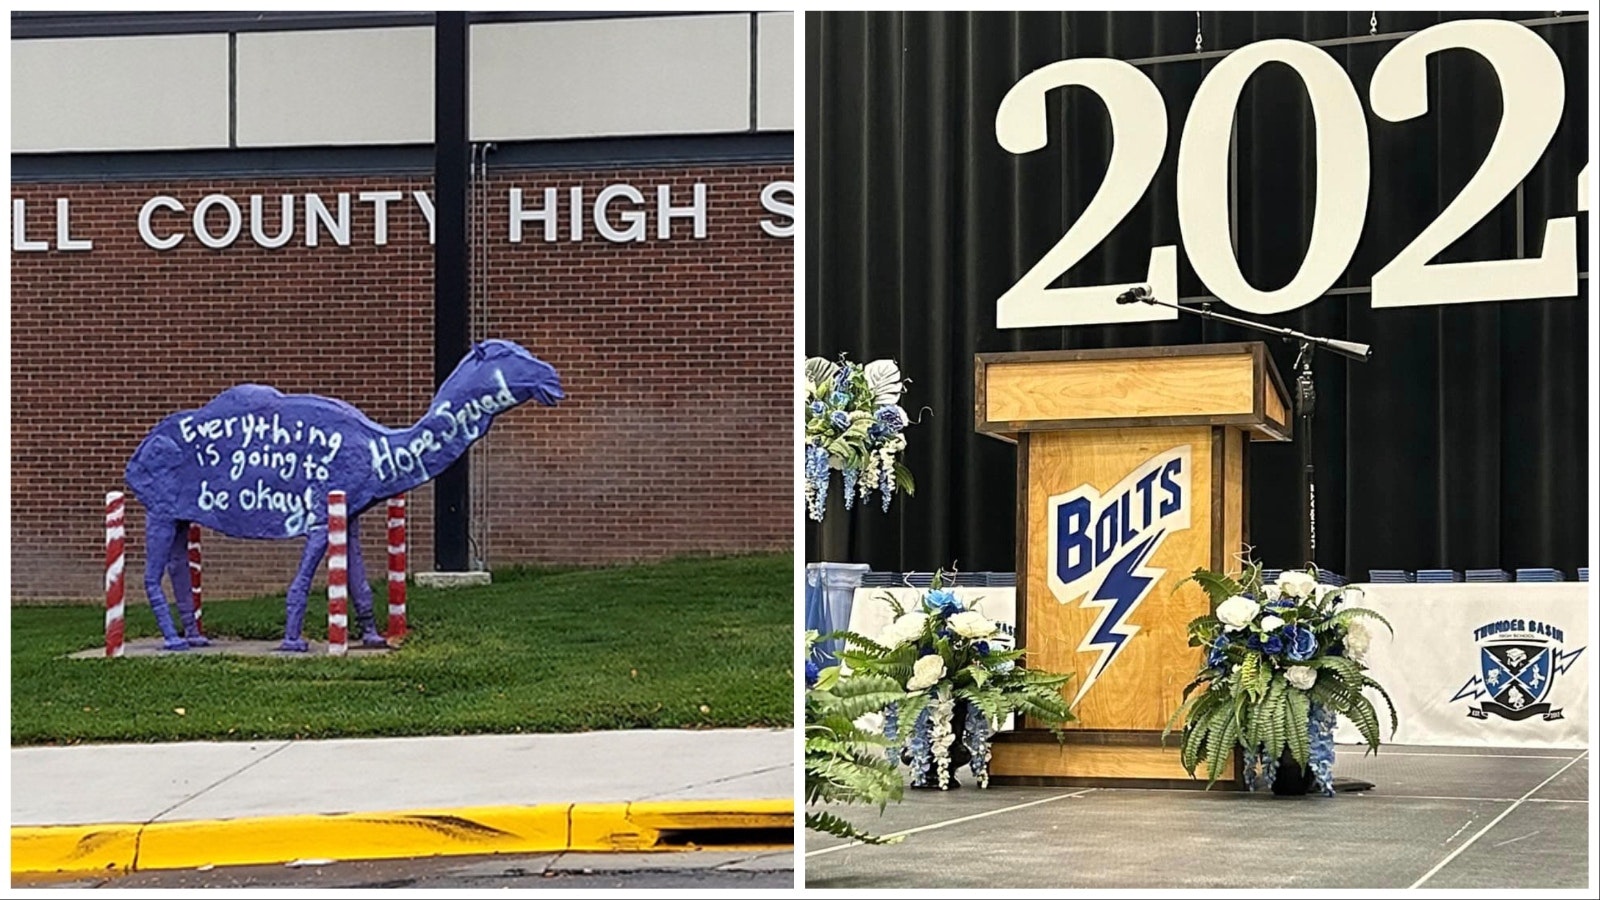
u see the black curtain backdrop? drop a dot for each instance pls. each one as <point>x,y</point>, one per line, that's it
<point>1462,444</point>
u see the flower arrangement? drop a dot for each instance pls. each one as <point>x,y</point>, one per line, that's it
<point>959,675</point>
<point>854,424</point>
<point>845,763</point>
<point>1282,661</point>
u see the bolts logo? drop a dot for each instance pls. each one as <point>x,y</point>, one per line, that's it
<point>1099,544</point>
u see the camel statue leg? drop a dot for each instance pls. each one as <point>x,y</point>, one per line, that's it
<point>182,587</point>
<point>361,589</point>
<point>300,588</point>
<point>159,536</point>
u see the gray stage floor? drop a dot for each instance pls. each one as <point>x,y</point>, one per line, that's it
<point>1438,818</point>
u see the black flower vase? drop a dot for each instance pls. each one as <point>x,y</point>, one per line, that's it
<point>959,754</point>
<point>1292,779</point>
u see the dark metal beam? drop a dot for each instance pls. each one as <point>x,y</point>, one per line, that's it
<point>451,315</point>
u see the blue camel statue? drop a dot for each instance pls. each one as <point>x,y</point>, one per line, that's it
<point>257,463</point>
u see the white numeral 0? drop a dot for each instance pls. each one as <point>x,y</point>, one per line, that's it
<point>1533,94</point>
<point>1343,176</point>
<point>1138,141</point>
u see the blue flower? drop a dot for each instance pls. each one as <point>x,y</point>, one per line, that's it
<point>1281,603</point>
<point>1302,643</point>
<point>813,671</point>
<point>876,432</point>
<point>1272,645</point>
<point>1217,658</point>
<point>840,419</point>
<point>943,603</point>
<point>891,417</point>
<point>839,398</point>
<point>982,647</point>
<point>1253,642</point>
<point>818,407</point>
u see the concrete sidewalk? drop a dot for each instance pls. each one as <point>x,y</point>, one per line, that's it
<point>144,806</point>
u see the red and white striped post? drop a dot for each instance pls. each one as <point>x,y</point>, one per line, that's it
<point>397,568</point>
<point>194,574</point>
<point>115,564</point>
<point>338,576</point>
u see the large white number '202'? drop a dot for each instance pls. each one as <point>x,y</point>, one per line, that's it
<point>1343,176</point>
<point>1139,140</point>
<point>1533,94</point>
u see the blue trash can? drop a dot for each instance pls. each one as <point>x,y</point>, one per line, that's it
<point>830,590</point>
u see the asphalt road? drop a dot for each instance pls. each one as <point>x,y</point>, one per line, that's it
<point>700,869</point>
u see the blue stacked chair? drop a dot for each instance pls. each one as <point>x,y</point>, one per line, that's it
<point>1546,576</point>
<point>1487,576</point>
<point>1389,576</point>
<point>1438,576</point>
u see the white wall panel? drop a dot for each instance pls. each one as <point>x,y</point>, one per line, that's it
<point>119,93</point>
<point>351,86</point>
<point>611,77</point>
<point>775,72</point>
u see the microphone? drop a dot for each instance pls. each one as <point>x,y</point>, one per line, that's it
<point>1360,352</point>
<point>1139,293</point>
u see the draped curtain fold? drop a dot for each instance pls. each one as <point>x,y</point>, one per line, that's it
<point>1462,444</point>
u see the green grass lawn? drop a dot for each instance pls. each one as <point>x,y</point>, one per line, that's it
<point>691,643</point>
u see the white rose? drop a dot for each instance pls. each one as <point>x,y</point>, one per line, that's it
<point>1296,584</point>
<point>1271,623</point>
<point>926,672</point>
<point>1237,612</point>
<point>1270,591</point>
<point>972,624</point>
<point>1356,642</point>
<point>1302,677</point>
<point>904,629</point>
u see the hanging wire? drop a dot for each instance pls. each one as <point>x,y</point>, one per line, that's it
<point>1374,23</point>
<point>1199,42</point>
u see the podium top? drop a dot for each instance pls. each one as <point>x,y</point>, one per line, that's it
<point>1190,384</point>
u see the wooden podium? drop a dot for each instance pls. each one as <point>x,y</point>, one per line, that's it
<point>1131,473</point>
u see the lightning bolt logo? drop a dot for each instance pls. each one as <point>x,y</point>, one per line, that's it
<point>1563,661</point>
<point>1473,689</point>
<point>1099,545</point>
<point>1126,584</point>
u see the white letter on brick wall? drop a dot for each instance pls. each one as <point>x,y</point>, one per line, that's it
<point>317,211</point>
<point>258,221</point>
<point>771,203</point>
<point>545,214</point>
<point>425,203</point>
<point>666,212</point>
<point>380,201</point>
<point>64,238</point>
<point>19,238</point>
<point>635,218</point>
<point>150,206</point>
<point>235,221</point>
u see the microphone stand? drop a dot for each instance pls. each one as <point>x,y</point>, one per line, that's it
<point>1305,406</point>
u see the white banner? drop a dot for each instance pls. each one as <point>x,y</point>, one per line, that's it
<point>1482,665</point>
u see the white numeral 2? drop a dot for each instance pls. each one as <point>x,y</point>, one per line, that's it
<point>1533,94</point>
<point>1139,140</point>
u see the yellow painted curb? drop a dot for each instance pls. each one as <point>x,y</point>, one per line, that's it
<point>74,848</point>
<point>642,826</point>
<point>552,828</point>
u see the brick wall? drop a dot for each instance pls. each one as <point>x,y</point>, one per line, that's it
<point>676,356</point>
